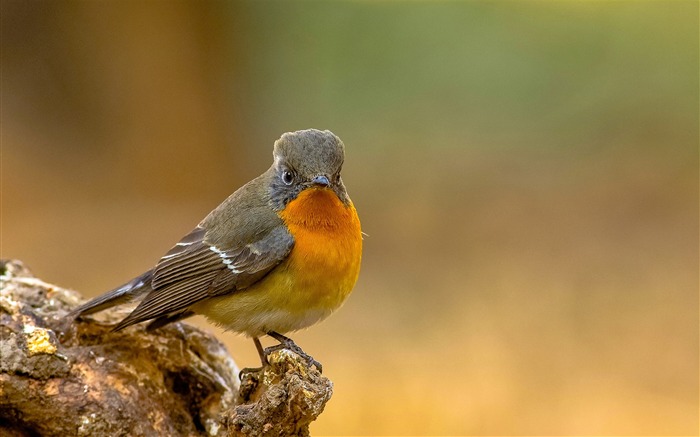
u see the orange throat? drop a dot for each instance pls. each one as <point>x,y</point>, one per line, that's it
<point>320,208</point>
<point>327,244</point>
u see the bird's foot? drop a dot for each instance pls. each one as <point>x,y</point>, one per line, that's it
<point>288,343</point>
<point>249,370</point>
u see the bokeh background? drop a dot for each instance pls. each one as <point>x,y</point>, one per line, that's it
<point>526,172</point>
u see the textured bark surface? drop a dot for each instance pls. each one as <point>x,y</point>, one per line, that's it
<point>59,378</point>
<point>283,399</point>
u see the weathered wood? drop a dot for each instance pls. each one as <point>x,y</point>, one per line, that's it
<point>59,378</point>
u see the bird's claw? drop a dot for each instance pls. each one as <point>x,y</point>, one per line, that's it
<point>291,346</point>
<point>249,370</point>
<point>284,343</point>
<point>288,343</point>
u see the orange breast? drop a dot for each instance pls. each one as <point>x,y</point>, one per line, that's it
<point>327,252</point>
<point>311,283</point>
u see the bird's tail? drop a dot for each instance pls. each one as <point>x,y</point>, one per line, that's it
<point>138,286</point>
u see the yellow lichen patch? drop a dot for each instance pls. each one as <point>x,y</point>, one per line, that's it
<point>282,361</point>
<point>38,341</point>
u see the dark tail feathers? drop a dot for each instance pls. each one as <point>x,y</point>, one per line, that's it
<point>138,286</point>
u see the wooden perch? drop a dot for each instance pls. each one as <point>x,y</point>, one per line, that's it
<point>59,378</point>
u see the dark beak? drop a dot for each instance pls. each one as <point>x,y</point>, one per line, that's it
<point>321,180</point>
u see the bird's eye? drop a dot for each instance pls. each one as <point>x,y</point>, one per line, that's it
<point>287,177</point>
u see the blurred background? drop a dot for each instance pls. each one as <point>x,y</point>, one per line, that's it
<point>526,172</point>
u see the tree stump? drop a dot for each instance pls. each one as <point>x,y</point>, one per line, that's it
<point>64,378</point>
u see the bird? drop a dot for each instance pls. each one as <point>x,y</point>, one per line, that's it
<point>278,255</point>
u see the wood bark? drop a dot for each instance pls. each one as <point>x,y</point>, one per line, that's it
<point>65,378</point>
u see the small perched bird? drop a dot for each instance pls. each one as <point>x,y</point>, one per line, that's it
<point>280,254</point>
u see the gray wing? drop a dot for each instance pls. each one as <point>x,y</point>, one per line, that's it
<point>195,269</point>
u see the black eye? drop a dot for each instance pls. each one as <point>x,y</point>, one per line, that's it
<point>287,177</point>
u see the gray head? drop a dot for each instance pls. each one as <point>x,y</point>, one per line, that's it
<point>304,159</point>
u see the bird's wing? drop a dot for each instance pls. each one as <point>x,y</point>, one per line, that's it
<point>195,269</point>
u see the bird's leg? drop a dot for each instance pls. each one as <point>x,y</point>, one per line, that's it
<point>263,360</point>
<point>261,352</point>
<point>288,343</point>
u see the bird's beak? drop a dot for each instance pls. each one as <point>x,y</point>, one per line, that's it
<point>321,181</point>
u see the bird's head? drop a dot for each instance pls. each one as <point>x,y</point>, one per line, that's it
<point>306,159</point>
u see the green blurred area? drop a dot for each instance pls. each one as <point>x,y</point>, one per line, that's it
<point>526,172</point>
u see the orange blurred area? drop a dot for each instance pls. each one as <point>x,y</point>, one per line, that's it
<point>526,174</point>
